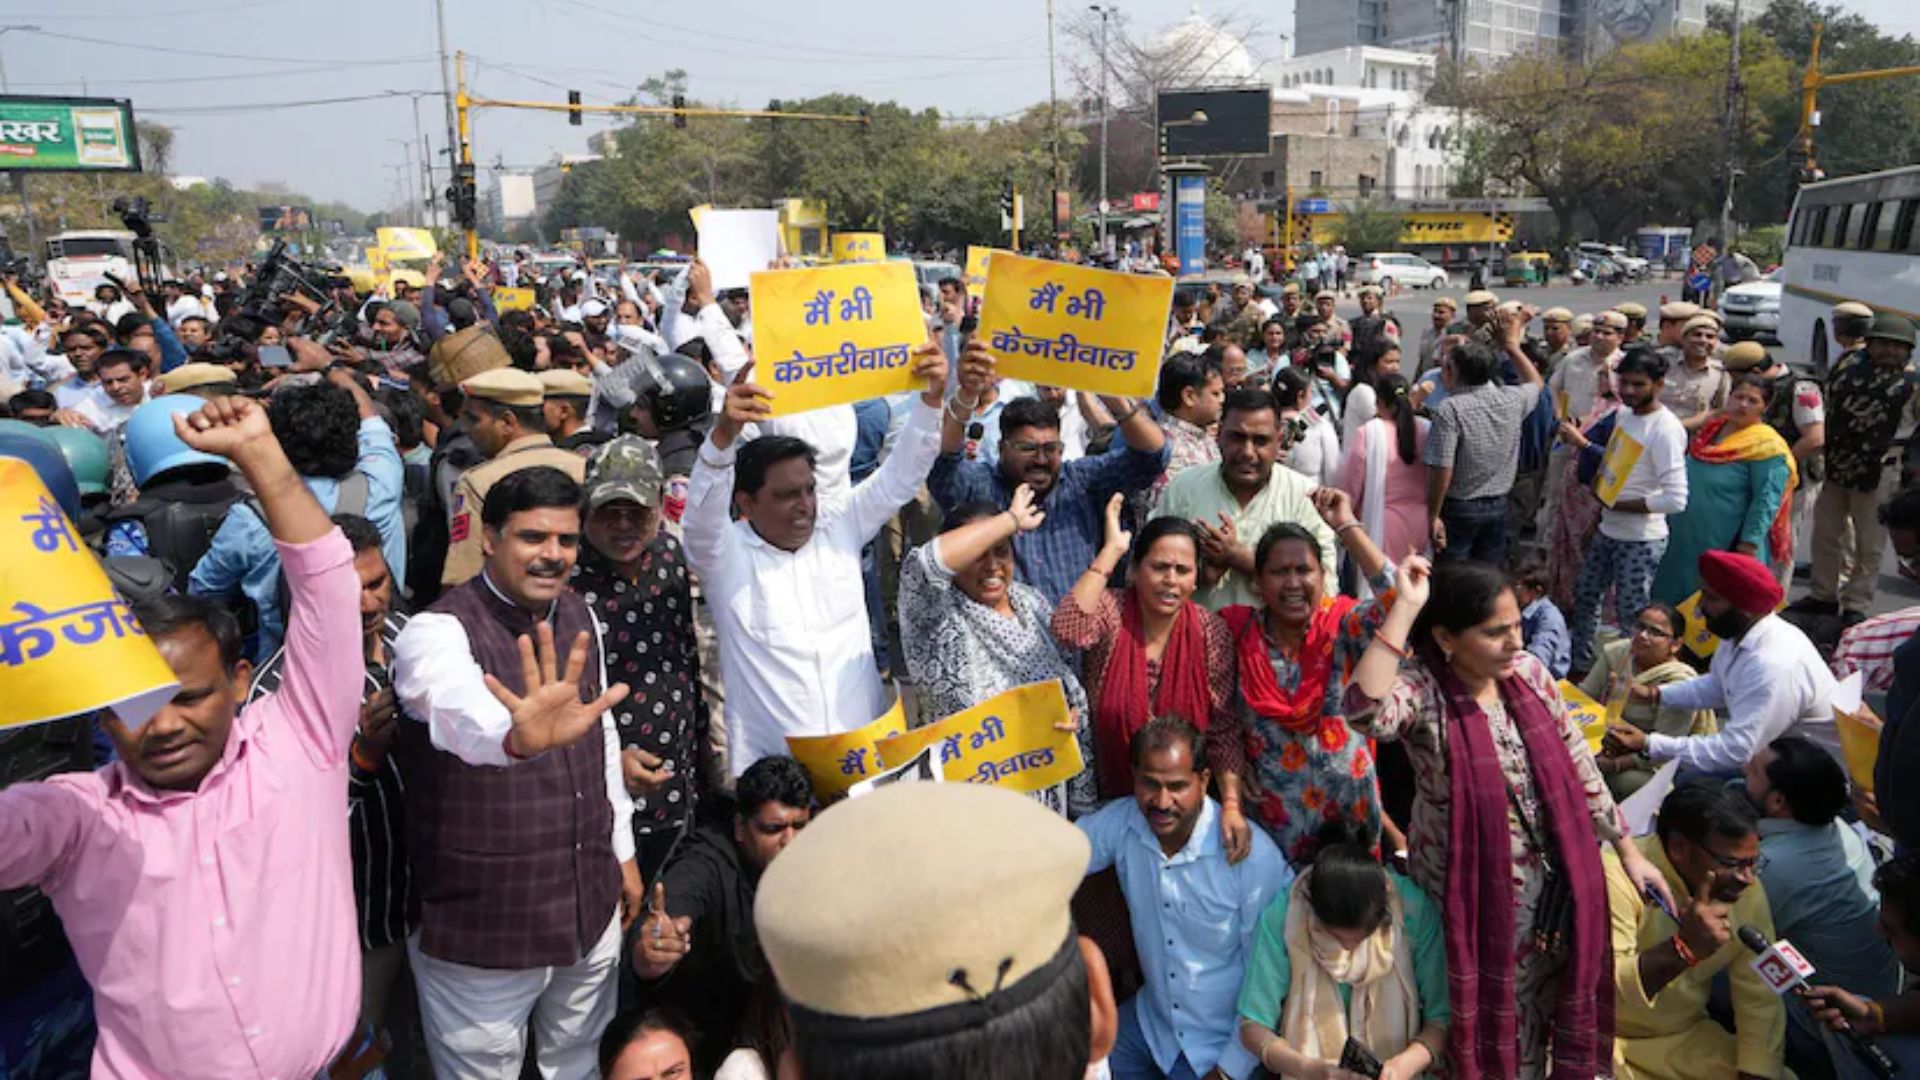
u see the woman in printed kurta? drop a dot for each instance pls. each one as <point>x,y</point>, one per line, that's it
<point>1740,481</point>
<point>1576,515</point>
<point>1506,825</point>
<point>971,631</point>
<point>1295,652</point>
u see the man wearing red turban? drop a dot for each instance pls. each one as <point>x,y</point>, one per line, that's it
<point>1765,673</point>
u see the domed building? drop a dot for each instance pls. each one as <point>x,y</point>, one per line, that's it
<point>1196,51</point>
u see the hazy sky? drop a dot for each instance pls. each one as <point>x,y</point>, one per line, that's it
<point>222,73</point>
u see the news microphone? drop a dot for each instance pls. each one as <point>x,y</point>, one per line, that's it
<point>1785,971</point>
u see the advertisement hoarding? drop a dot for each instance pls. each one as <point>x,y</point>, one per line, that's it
<point>59,134</point>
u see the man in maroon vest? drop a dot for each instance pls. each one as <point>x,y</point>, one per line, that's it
<point>518,819</point>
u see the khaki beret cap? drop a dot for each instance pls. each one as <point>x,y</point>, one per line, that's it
<point>565,382</point>
<point>1701,322</point>
<point>1611,318</point>
<point>1556,314</point>
<point>1632,310</point>
<point>192,377</point>
<point>1367,290</point>
<point>1854,308</point>
<point>1745,356</point>
<point>1326,294</point>
<point>1447,302</point>
<point>508,386</point>
<point>1481,296</point>
<point>866,915</point>
<point>1679,311</point>
<point>1291,288</point>
<point>460,356</point>
<point>1582,323</point>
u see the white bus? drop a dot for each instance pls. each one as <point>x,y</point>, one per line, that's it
<point>1850,239</point>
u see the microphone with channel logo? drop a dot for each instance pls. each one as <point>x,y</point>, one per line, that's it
<point>1785,971</point>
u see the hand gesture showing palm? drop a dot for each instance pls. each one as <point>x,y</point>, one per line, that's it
<point>1026,515</point>
<point>550,714</point>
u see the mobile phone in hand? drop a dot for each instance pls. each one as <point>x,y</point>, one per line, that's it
<point>1356,1058</point>
<point>275,356</point>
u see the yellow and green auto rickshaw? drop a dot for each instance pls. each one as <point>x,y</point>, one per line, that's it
<point>1528,268</point>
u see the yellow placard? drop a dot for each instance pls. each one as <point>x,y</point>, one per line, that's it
<point>837,762</point>
<point>1056,324</point>
<point>834,334</point>
<point>68,645</point>
<point>505,300</point>
<point>1010,740</point>
<point>1588,713</point>
<point>1696,636</point>
<point>1859,744</point>
<point>976,274</point>
<point>857,247</point>
<point>1623,453</point>
<point>377,261</point>
<point>401,245</point>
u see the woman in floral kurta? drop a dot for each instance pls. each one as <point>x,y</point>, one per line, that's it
<point>1295,652</point>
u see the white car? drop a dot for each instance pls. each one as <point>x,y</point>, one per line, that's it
<point>1634,265</point>
<point>1753,310</point>
<point>1389,268</point>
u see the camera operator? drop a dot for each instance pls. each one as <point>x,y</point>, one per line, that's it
<point>1321,354</point>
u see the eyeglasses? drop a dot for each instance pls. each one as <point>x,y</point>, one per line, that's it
<point>1728,862</point>
<point>1652,631</point>
<point>1022,446</point>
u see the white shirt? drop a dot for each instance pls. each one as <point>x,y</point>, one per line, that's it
<point>186,307</point>
<point>794,641</point>
<point>1771,681</point>
<point>437,680</point>
<point>103,414</point>
<point>1659,476</point>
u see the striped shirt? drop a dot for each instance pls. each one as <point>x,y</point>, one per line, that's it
<point>1869,647</point>
<point>376,832</point>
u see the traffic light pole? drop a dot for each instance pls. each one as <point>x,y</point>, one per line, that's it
<point>462,194</point>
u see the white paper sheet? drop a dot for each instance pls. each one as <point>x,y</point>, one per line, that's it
<point>737,243</point>
<point>1640,807</point>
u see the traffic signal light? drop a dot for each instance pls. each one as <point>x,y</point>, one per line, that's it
<point>1006,199</point>
<point>573,108</point>
<point>774,107</point>
<point>679,110</point>
<point>463,196</point>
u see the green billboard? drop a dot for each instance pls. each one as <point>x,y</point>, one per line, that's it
<point>57,134</point>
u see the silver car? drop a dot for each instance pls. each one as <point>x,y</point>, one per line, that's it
<point>1389,268</point>
<point>1752,310</point>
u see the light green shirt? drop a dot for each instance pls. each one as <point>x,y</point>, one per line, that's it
<point>1199,494</point>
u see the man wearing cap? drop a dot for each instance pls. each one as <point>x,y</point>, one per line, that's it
<point>595,315</point>
<point>1332,325</point>
<point>505,417</point>
<point>1583,378</point>
<point>1766,675</point>
<point>1636,314</point>
<point>1444,309</point>
<point>1851,321</point>
<point>633,576</point>
<point>1481,305</point>
<point>1673,324</point>
<point>1799,414</point>
<point>1193,912</point>
<point>519,824</point>
<point>979,973</point>
<point>207,381</point>
<point>1697,386</point>
<point>1869,395</point>
<point>1372,331</point>
<point>565,408</point>
<point>1556,332</point>
<point>391,336</point>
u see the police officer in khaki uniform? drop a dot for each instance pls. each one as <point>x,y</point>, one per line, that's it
<point>567,393</point>
<point>505,419</point>
<point>1636,314</point>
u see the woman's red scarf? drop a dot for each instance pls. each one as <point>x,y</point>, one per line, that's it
<point>1125,706</point>
<point>1301,710</point>
<point>1757,442</point>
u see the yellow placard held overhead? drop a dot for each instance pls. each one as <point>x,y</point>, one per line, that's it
<point>835,334</point>
<point>401,245</point>
<point>505,299</point>
<point>1010,740</point>
<point>854,247</point>
<point>1623,453</point>
<point>68,645</point>
<point>1056,324</point>
<point>837,762</point>
<point>976,274</point>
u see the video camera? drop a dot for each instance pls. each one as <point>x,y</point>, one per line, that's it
<point>279,276</point>
<point>138,216</point>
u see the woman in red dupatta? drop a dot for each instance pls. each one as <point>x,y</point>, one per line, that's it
<point>1305,767</point>
<point>1151,651</point>
<point>1523,896</point>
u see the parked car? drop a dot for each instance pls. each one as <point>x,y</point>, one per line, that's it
<point>1389,268</point>
<point>1632,264</point>
<point>1753,310</point>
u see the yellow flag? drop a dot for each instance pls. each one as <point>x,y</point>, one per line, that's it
<point>512,299</point>
<point>859,247</point>
<point>977,258</point>
<point>1056,324</point>
<point>834,334</point>
<point>68,645</point>
<point>402,245</point>
<point>1009,740</point>
<point>837,762</point>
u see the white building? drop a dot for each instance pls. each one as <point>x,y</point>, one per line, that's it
<point>1374,93</point>
<point>508,202</point>
<point>1360,66</point>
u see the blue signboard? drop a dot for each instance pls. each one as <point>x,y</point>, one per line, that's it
<point>1311,206</point>
<point>1190,222</point>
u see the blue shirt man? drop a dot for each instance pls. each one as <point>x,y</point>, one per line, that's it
<point>1194,913</point>
<point>1073,495</point>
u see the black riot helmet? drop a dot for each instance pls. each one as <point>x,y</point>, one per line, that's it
<point>675,391</point>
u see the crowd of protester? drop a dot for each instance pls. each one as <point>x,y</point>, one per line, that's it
<point>490,628</point>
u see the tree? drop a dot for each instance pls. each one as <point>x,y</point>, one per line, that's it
<point>1369,225</point>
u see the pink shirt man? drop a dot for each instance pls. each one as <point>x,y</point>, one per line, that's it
<point>217,926</point>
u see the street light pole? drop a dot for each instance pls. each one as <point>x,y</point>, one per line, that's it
<point>1104,13</point>
<point>406,145</point>
<point>20,178</point>
<point>446,83</point>
<point>1053,127</point>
